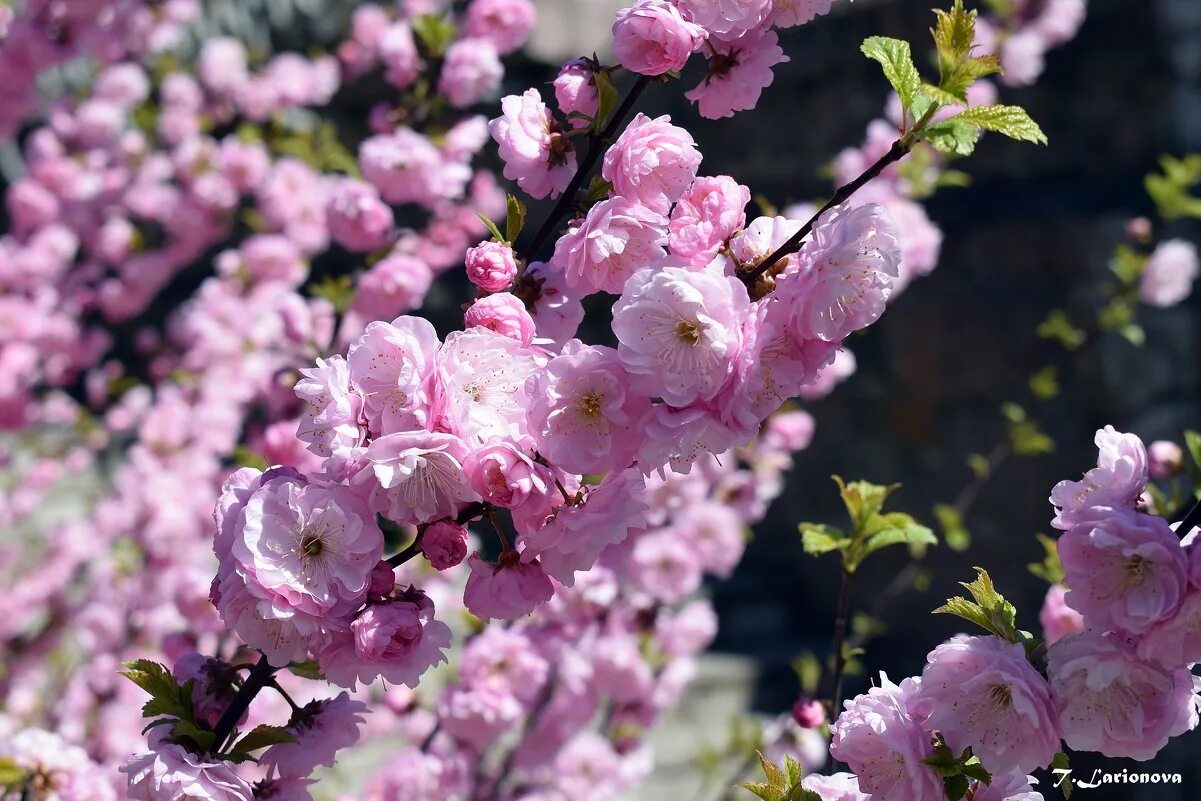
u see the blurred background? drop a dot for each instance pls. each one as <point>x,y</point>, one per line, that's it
<point>1033,232</point>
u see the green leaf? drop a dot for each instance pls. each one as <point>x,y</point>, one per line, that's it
<point>309,669</point>
<point>818,538</point>
<point>989,610</point>
<point>1170,190</point>
<point>808,669</point>
<point>514,218</point>
<point>1134,334</point>
<point>203,738</point>
<point>979,464</point>
<point>244,457</point>
<point>1059,327</point>
<point>606,98</point>
<point>1063,771</point>
<point>954,532</point>
<point>11,774</point>
<point>956,787</point>
<point>776,786</point>
<point>1049,569</point>
<point>261,737</point>
<point>339,290</point>
<point>167,697</point>
<point>491,226</point>
<point>863,500</point>
<point>794,770</point>
<point>897,62</point>
<point>1012,121</point>
<point>957,772</point>
<point>434,32</point>
<point>1044,384</point>
<point>940,96</point>
<point>1127,264</point>
<point>951,136</point>
<point>1192,443</point>
<point>598,189</point>
<point>954,33</point>
<point>896,528</point>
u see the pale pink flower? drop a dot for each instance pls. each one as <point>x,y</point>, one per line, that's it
<point>503,313</point>
<point>575,90</point>
<point>664,567</point>
<point>507,590</point>
<point>505,660</point>
<point>706,217</point>
<point>788,13</point>
<point>653,162</point>
<point>398,51</point>
<point>444,544</point>
<point>536,153</point>
<point>845,274</point>
<point>1169,273</point>
<point>399,640</point>
<point>471,71</point>
<point>571,540</point>
<point>1111,701</point>
<point>391,363</point>
<point>679,332</point>
<point>1015,786</point>
<point>407,168</point>
<point>476,716</point>
<point>838,787</point>
<point>415,477</point>
<point>716,534</point>
<point>982,693</point>
<point>505,23</point>
<point>358,220</point>
<point>617,237</point>
<point>480,380</point>
<point>727,18</point>
<point>320,729</point>
<point>1057,618</point>
<point>739,71</point>
<point>491,265</point>
<point>503,475</point>
<point>582,414</point>
<point>394,285</point>
<point>221,65</point>
<point>1176,641</point>
<point>651,37</point>
<point>1124,569</point>
<point>1164,459</point>
<point>841,367</point>
<point>332,419</point>
<point>170,773</point>
<point>884,744</point>
<point>60,771</point>
<point>1118,480</point>
<point>680,437</point>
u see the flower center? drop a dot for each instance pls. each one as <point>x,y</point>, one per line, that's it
<point>689,332</point>
<point>1136,569</point>
<point>999,695</point>
<point>311,544</point>
<point>590,404</point>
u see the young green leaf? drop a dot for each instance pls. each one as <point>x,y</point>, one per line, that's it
<point>1192,443</point>
<point>491,226</point>
<point>951,136</point>
<point>954,33</point>
<point>12,775</point>
<point>1170,190</point>
<point>261,737</point>
<point>203,738</point>
<point>1061,768</point>
<point>863,500</point>
<point>897,62</point>
<point>434,32</point>
<point>606,98</point>
<point>818,538</point>
<point>954,532</point>
<point>1050,569</point>
<point>514,218</point>
<point>895,528</point>
<point>989,610</point>
<point>1059,327</point>
<point>1044,384</point>
<point>167,697</point>
<point>1012,121</point>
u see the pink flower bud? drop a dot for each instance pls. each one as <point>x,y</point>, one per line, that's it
<point>444,544</point>
<point>382,580</point>
<point>1164,459</point>
<point>491,266</point>
<point>808,712</point>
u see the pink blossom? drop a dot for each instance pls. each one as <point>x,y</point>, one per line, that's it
<point>982,693</point>
<point>507,590</point>
<point>1124,569</point>
<point>841,367</point>
<point>706,217</point>
<point>471,71</point>
<point>406,168</point>
<point>680,437</point>
<point>839,786</point>
<point>221,65</point>
<point>1057,618</point>
<point>1176,641</point>
<point>679,332</point>
<point>582,414</point>
<point>480,384</point>
<point>739,71</point>
<point>1111,701</point>
<point>664,567</point>
<point>716,534</point>
<point>491,266</point>
<point>60,771</point>
<point>415,477</point>
<point>845,275</point>
<point>358,220</point>
<point>505,23</point>
<point>788,13</point>
<point>301,559</point>
<point>502,313</point>
<point>398,51</point>
<point>399,640</point>
<point>571,540</point>
<point>652,163</point>
<point>1164,459</point>
<point>477,716</point>
<point>503,475</point>
<point>395,285</point>
<point>1169,273</point>
<point>444,544</point>
<point>1119,479</point>
<point>617,237</point>
<point>727,18</point>
<point>651,37</point>
<point>320,729</point>
<point>169,773</point>
<point>536,153</point>
<point>809,713</point>
<point>382,581</point>
<point>391,364</point>
<point>688,630</point>
<point>884,744</point>
<point>213,685</point>
<point>505,660</point>
<point>575,90</point>
<point>333,409</point>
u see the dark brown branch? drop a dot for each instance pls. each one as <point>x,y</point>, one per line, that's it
<point>260,677</point>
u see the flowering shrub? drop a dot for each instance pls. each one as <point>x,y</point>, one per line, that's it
<point>307,483</point>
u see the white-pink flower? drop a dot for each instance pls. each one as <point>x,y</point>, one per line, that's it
<point>170,773</point>
<point>415,477</point>
<point>506,590</point>
<point>332,419</point>
<point>617,237</point>
<point>705,217</point>
<point>1169,273</point>
<point>391,363</point>
<point>727,18</point>
<point>537,155</point>
<point>1118,480</point>
<point>739,70</point>
<point>653,162</point>
<point>679,332</point>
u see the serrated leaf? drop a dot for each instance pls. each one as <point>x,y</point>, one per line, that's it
<point>491,226</point>
<point>898,529</point>
<point>895,59</point>
<point>793,770</point>
<point>951,136</point>
<point>818,538</point>
<point>954,33</point>
<point>954,532</point>
<point>1012,121</point>
<point>941,96</point>
<point>151,676</point>
<point>989,610</point>
<point>607,96</point>
<point>203,738</point>
<point>261,737</point>
<point>1050,569</point>
<point>514,218</point>
<point>956,787</point>
<point>1170,190</point>
<point>863,499</point>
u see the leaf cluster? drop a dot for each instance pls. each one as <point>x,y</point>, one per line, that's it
<point>871,527</point>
